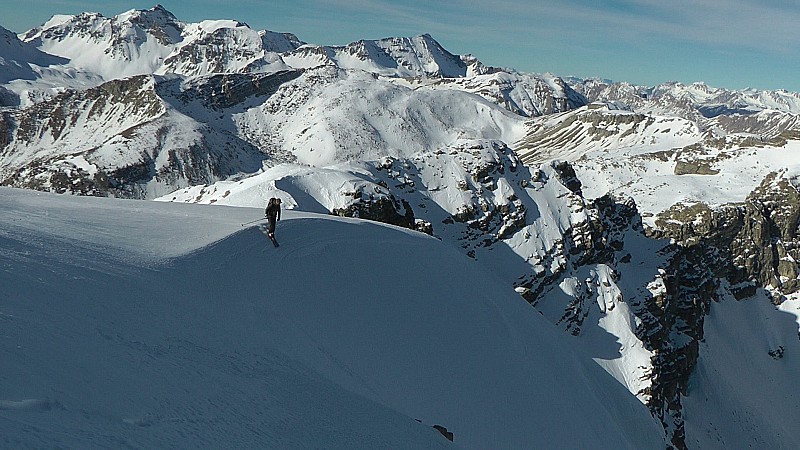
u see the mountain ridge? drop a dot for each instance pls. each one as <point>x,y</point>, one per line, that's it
<point>615,210</point>
<point>366,360</point>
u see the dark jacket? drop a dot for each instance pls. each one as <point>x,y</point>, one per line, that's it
<point>273,210</point>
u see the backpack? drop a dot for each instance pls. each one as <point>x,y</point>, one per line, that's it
<point>271,204</point>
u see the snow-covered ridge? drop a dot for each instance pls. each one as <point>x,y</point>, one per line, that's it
<point>151,41</point>
<point>682,99</point>
<point>400,57</point>
<point>132,43</point>
<point>132,340</point>
<point>141,42</point>
<point>16,57</point>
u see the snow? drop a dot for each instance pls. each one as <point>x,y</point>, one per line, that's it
<point>392,57</point>
<point>56,20</point>
<point>150,324</point>
<point>636,156</point>
<point>370,106</point>
<point>209,26</point>
<point>739,395</point>
<point>655,186</point>
<point>617,319</point>
<point>311,189</point>
<point>792,306</point>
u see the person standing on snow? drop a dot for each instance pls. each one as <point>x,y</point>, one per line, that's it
<point>273,214</point>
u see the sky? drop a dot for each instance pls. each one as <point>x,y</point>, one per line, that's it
<point>725,43</point>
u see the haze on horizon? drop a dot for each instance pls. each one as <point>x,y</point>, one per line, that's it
<point>733,44</point>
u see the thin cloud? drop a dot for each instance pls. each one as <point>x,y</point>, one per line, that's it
<point>767,26</point>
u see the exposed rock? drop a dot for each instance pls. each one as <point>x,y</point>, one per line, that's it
<point>567,177</point>
<point>749,245</point>
<point>5,130</point>
<point>695,167</point>
<point>754,243</point>
<point>445,433</point>
<point>382,208</point>
<point>142,159</point>
<point>777,353</point>
<point>226,90</point>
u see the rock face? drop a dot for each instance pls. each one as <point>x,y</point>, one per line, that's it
<point>384,209</point>
<point>736,247</point>
<point>694,168</point>
<point>755,243</point>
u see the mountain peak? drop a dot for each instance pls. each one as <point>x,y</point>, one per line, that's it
<point>147,17</point>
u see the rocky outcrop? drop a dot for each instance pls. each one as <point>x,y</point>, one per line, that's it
<point>747,246</point>
<point>120,138</point>
<point>754,243</point>
<point>380,208</point>
<point>696,167</point>
<point>52,120</point>
<point>443,430</point>
<point>6,130</point>
<point>222,91</point>
<point>672,328</point>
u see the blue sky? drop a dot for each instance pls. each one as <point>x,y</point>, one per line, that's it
<point>726,43</point>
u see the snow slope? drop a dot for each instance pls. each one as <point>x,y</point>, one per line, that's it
<point>151,324</point>
<point>525,218</point>
<point>743,390</point>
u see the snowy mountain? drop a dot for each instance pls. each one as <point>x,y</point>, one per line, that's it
<point>650,224</point>
<point>188,329</point>
<point>15,57</point>
<point>277,100</point>
<point>681,98</point>
<point>397,57</point>
<point>141,42</point>
<point>146,136</point>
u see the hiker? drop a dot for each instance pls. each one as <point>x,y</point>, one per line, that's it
<point>273,214</point>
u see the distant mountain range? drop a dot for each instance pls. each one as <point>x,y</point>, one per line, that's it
<point>634,218</point>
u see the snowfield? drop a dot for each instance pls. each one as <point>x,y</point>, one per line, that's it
<point>150,324</point>
<point>743,388</point>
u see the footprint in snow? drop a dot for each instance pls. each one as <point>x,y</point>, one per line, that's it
<point>29,405</point>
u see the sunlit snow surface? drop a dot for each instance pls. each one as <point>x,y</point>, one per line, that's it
<point>655,186</point>
<point>149,324</point>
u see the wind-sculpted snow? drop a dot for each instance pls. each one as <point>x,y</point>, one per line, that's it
<point>150,324</point>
